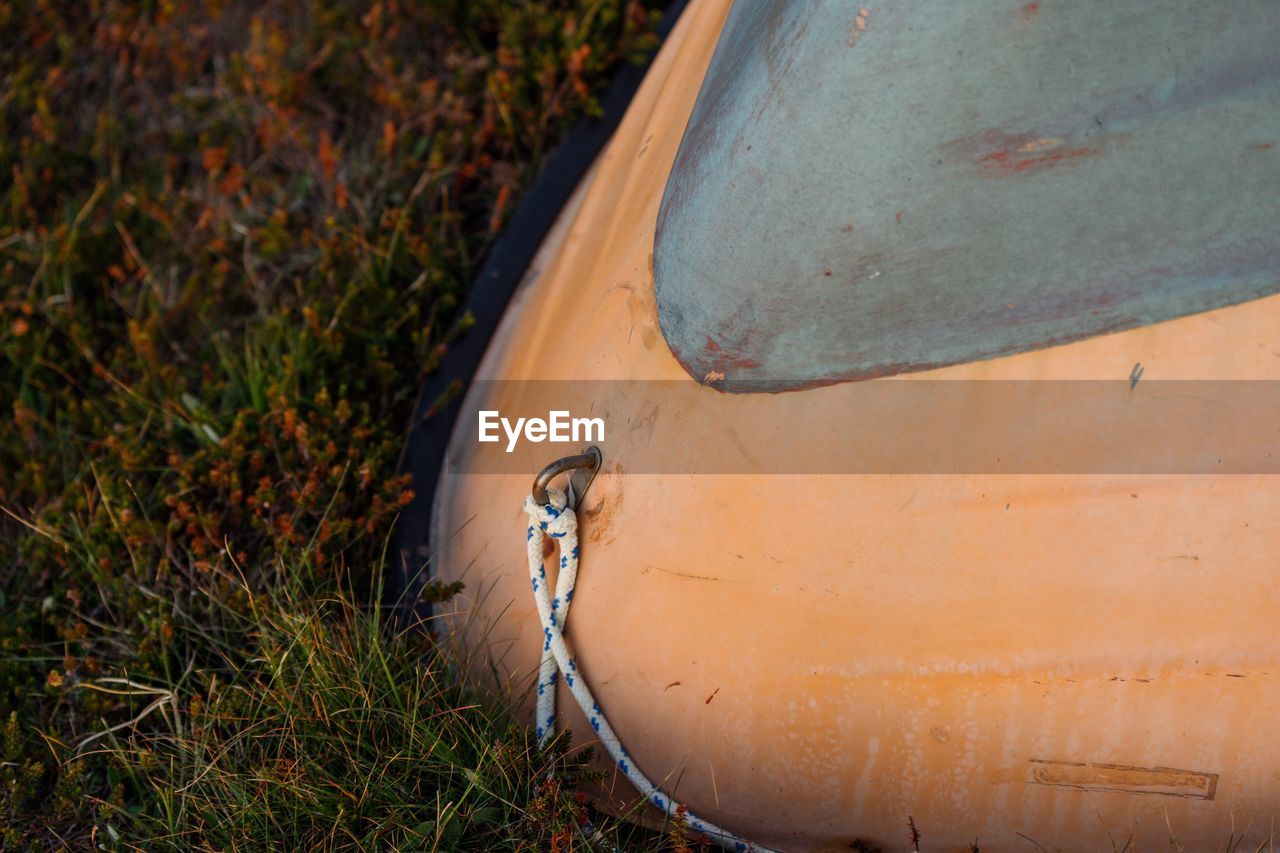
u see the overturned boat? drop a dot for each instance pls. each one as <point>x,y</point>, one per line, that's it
<point>912,329</point>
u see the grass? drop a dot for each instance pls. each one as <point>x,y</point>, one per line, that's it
<point>234,238</point>
<point>339,733</point>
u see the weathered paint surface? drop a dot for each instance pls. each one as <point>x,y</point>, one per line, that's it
<point>1076,662</point>
<point>870,190</point>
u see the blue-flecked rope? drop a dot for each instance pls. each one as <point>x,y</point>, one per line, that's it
<point>555,520</point>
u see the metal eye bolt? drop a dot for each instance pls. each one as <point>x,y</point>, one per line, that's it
<point>583,468</point>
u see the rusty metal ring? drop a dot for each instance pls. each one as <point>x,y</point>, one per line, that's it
<point>584,467</point>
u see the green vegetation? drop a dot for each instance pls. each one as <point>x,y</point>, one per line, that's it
<point>233,240</point>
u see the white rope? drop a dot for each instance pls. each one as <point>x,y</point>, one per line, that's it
<point>560,523</point>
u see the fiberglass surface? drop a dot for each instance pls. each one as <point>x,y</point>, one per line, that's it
<point>865,191</point>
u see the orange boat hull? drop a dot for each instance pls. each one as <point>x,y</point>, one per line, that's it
<point>808,660</point>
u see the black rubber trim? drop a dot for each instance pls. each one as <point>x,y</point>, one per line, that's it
<point>502,272</point>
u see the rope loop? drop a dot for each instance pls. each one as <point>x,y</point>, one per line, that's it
<point>553,518</point>
<point>558,521</point>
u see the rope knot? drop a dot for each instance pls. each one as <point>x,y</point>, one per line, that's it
<point>554,517</point>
